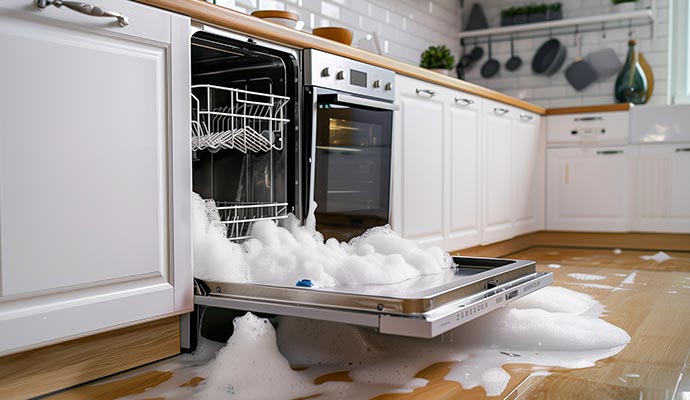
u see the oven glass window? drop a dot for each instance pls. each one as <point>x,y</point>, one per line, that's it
<point>352,169</point>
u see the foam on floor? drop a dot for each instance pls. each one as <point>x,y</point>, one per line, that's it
<point>282,255</point>
<point>658,257</point>
<point>587,277</point>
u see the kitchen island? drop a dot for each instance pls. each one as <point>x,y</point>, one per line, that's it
<point>649,300</point>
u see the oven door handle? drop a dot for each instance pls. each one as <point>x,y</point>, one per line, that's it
<point>340,98</point>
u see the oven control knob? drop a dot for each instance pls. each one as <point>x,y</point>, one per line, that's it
<point>325,72</point>
<point>389,86</point>
<point>377,84</point>
<point>340,75</point>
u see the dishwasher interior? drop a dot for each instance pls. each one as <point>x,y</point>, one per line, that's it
<point>247,157</point>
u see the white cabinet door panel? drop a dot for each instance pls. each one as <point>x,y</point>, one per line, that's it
<point>86,170</point>
<point>527,156</point>
<point>498,203</point>
<point>465,174</point>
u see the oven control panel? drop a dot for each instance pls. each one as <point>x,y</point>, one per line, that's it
<point>339,73</point>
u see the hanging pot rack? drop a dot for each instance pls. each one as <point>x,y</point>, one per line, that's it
<point>602,23</point>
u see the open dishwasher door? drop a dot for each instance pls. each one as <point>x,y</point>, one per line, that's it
<point>424,307</point>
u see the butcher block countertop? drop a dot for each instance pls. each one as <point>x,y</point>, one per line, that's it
<point>654,309</point>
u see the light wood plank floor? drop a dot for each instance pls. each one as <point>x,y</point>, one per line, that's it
<point>654,310</point>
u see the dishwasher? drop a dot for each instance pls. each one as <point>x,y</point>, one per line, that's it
<point>253,157</point>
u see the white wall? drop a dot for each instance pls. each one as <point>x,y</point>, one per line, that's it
<point>405,27</point>
<point>555,91</point>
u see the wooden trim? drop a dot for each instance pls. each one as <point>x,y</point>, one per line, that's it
<point>629,241</point>
<point>589,109</point>
<point>62,365</point>
<point>252,26</point>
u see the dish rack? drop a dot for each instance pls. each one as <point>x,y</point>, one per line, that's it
<point>238,217</point>
<point>228,118</point>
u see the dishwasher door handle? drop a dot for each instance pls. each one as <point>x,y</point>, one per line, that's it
<point>340,98</point>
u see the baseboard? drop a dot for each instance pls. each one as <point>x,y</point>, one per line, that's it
<point>40,371</point>
<point>628,240</point>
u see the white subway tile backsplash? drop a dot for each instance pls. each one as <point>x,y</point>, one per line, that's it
<point>330,10</point>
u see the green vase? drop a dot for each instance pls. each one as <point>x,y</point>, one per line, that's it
<point>631,84</point>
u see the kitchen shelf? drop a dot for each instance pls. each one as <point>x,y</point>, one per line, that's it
<point>647,17</point>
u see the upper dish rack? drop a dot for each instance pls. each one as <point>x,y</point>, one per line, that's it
<point>227,118</point>
<point>238,217</point>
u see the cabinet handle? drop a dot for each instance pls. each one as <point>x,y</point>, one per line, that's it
<point>609,152</point>
<point>84,8</point>
<point>500,110</point>
<point>683,149</point>
<point>430,92</point>
<point>526,117</point>
<point>464,100</point>
<point>584,119</point>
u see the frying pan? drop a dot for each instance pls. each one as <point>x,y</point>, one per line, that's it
<point>514,62</point>
<point>580,73</point>
<point>549,58</point>
<point>491,66</point>
<point>477,52</point>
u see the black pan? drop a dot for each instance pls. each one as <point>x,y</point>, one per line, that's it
<point>514,62</point>
<point>491,66</point>
<point>549,58</point>
<point>477,52</point>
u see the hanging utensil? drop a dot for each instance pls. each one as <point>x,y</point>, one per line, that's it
<point>549,57</point>
<point>514,62</point>
<point>580,73</point>
<point>491,66</point>
<point>477,52</point>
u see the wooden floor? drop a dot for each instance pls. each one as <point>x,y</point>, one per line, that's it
<point>654,310</point>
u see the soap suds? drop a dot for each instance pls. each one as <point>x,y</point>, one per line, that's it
<point>630,279</point>
<point>284,255</point>
<point>587,277</point>
<point>555,266</point>
<point>617,251</point>
<point>658,257</point>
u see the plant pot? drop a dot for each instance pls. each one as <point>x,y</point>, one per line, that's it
<point>506,21</point>
<point>441,71</point>
<point>539,17</point>
<point>624,7</point>
<point>554,15</point>
<point>519,19</point>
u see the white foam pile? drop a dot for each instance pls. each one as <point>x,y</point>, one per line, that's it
<point>658,257</point>
<point>554,266</point>
<point>587,277</point>
<point>548,328</point>
<point>287,254</point>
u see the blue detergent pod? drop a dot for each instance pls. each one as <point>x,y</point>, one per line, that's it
<point>305,283</point>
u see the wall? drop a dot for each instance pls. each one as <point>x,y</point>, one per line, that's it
<point>555,91</point>
<point>404,27</point>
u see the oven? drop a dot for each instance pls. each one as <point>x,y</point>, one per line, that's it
<point>347,138</point>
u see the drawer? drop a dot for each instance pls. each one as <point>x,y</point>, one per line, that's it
<point>602,128</point>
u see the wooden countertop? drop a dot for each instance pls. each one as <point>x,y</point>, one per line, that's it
<point>654,308</point>
<point>589,109</point>
<point>252,26</point>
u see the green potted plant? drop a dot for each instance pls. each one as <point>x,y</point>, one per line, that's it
<point>623,5</point>
<point>554,11</point>
<point>438,58</point>
<point>536,12</point>
<point>520,15</point>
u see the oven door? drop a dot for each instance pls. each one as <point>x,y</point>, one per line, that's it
<point>351,168</point>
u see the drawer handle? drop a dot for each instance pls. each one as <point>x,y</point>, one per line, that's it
<point>683,149</point>
<point>430,92</point>
<point>464,100</point>
<point>84,8</point>
<point>585,119</point>
<point>526,117</point>
<point>609,152</point>
<point>500,110</point>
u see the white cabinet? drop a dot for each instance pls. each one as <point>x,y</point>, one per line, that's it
<point>528,161</point>
<point>94,171</point>
<point>464,166</point>
<point>663,188</point>
<point>498,170</point>
<point>419,162</point>
<point>588,189</point>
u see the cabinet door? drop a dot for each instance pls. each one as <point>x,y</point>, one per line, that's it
<point>94,171</point>
<point>419,162</point>
<point>663,188</point>
<point>464,183</point>
<point>527,155</point>
<point>588,189</point>
<point>498,166</point>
